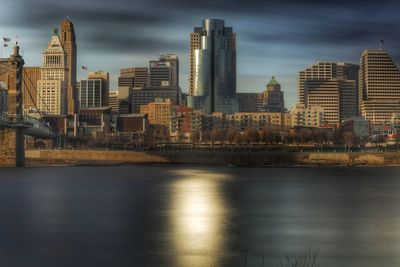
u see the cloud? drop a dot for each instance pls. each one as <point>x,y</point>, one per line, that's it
<point>273,36</point>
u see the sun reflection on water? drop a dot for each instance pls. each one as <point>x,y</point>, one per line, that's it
<point>198,218</point>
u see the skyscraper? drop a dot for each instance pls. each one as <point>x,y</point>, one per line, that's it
<point>337,97</point>
<point>51,95</point>
<point>332,86</point>
<point>164,72</point>
<point>213,68</point>
<point>379,86</point>
<point>325,70</point>
<point>68,41</point>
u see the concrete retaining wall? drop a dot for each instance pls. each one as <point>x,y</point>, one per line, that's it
<point>235,158</point>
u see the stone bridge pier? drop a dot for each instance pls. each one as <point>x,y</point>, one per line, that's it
<point>12,150</point>
<point>12,141</point>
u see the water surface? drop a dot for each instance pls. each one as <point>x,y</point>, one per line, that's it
<point>198,216</point>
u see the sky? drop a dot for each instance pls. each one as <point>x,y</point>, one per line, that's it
<point>274,38</point>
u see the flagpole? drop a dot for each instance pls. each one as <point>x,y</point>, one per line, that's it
<point>5,41</point>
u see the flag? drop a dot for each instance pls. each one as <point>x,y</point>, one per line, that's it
<point>382,42</point>
<point>84,68</point>
<point>6,40</point>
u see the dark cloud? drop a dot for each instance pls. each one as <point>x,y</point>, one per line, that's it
<point>130,43</point>
<point>328,33</point>
<point>280,31</point>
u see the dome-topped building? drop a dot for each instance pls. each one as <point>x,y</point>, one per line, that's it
<point>273,99</point>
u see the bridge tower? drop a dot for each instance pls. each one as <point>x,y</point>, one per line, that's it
<point>12,141</point>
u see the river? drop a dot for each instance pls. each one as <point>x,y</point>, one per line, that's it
<point>158,215</point>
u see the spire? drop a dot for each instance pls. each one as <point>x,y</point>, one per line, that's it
<point>54,31</point>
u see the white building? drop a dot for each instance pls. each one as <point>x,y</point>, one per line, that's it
<point>51,97</point>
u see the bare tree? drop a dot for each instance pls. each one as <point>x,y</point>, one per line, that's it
<point>230,135</point>
<point>305,135</point>
<point>265,135</point>
<point>349,139</point>
<point>217,136</point>
<point>195,137</point>
<point>250,135</point>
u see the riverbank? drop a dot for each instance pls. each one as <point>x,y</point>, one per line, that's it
<point>209,158</point>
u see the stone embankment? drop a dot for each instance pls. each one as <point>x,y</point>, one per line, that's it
<point>217,158</point>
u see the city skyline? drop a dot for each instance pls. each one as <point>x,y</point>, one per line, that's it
<point>274,39</point>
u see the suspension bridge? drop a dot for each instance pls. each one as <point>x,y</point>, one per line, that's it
<point>14,126</point>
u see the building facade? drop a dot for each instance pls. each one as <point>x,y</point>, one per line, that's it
<point>331,86</point>
<point>241,121</point>
<point>379,86</point>
<point>134,77</point>
<point>94,91</point>
<point>213,68</point>
<point>68,41</point>
<point>313,116</point>
<point>325,70</point>
<point>29,87</point>
<point>164,72</point>
<point>132,123</point>
<point>250,102</point>
<point>144,96</point>
<point>52,87</point>
<point>113,101</point>
<point>357,126</point>
<point>158,112</point>
<point>273,99</point>
<point>181,122</point>
<point>93,121</point>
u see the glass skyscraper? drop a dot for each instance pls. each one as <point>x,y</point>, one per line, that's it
<point>213,68</point>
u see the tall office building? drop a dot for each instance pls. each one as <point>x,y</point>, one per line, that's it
<point>94,91</point>
<point>68,41</point>
<point>379,86</point>
<point>337,97</point>
<point>213,68</point>
<point>332,86</point>
<point>52,86</point>
<point>164,72</point>
<point>323,71</point>
<point>29,87</point>
<point>273,99</point>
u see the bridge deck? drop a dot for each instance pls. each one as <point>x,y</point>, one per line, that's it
<point>33,127</point>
